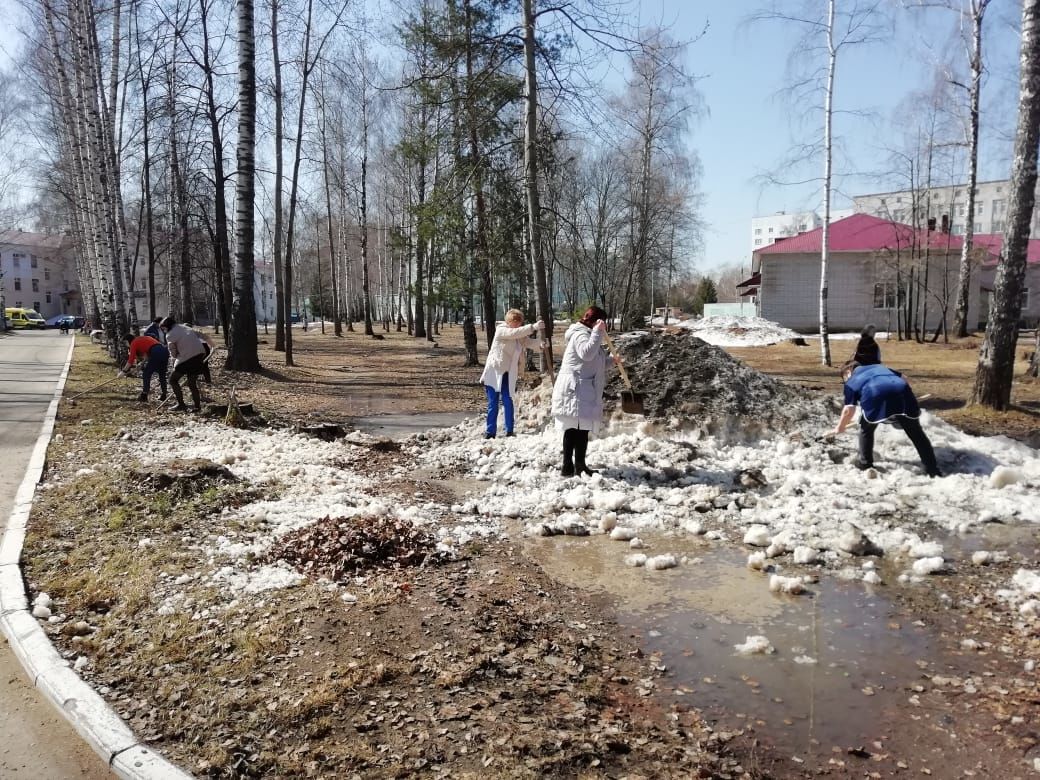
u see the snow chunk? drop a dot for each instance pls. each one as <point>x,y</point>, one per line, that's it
<point>1028,581</point>
<point>872,578</point>
<point>1003,476</point>
<point>804,659</point>
<point>925,566</point>
<point>636,559</point>
<point>610,500</point>
<point>981,557</point>
<point>608,522</point>
<point>621,534</point>
<point>805,555</point>
<point>757,536</point>
<point>666,561</point>
<point>756,561</point>
<point>755,645</point>
<point>926,550</point>
<point>792,585</point>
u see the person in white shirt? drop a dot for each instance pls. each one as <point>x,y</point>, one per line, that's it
<point>503,364</point>
<point>188,352</point>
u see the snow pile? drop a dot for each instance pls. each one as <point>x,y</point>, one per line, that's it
<point>723,331</point>
<point>690,382</point>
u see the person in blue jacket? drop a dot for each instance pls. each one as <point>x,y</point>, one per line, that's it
<point>883,395</point>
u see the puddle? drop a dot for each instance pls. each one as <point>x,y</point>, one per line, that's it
<point>691,617</point>
<point>1018,541</point>
<point>399,426</point>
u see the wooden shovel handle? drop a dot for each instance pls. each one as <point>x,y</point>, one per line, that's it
<point>620,362</point>
<point>547,361</point>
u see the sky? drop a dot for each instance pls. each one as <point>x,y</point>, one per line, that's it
<point>747,133</point>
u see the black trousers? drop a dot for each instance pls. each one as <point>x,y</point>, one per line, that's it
<point>912,427</point>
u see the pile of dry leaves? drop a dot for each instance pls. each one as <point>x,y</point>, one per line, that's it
<point>338,548</point>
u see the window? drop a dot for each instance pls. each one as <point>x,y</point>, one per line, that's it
<point>980,208</point>
<point>961,209</point>
<point>17,260</point>
<point>758,242</point>
<point>885,295</point>
<point>899,200</point>
<point>32,261</point>
<point>978,227</point>
<point>36,285</point>
<point>47,274</point>
<point>999,208</point>
<point>17,285</point>
<point>802,227</point>
<point>758,231</point>
<point>48,297</point>
<point>1025,298</point>
<point>36,305</point>
<point>770,230</point>
<point>957,229</point>
<point>998,226</point>
<point>18,304</point>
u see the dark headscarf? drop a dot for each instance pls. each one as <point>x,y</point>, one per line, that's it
<point>868,353</point>
<point>593,313</point>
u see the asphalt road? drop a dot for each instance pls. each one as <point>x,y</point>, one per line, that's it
<point>36,743</point>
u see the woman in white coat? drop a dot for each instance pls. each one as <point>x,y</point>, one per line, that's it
<point>503,364</point>
<point>577,403</point>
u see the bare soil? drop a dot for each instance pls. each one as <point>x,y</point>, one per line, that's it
<point>481,666</point>
<point>485,666</point>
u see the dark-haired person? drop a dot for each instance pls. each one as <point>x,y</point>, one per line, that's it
<point>883,395</point>
<point>157,360</point>
<point>577,401</point>
<point>155,331</point>
<point>188,352</point>
<point>868,353</point>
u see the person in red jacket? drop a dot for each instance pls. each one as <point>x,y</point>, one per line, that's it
<point>157,359</point>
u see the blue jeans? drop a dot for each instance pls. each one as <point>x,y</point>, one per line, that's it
<point>492,408</point>
<point>158,362</point>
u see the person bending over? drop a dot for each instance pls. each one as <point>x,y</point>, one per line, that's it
<point>188,352</point>
<point>883,395</point>
<point>157,360</point>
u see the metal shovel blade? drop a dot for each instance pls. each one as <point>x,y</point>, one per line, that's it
<point>632,403</point>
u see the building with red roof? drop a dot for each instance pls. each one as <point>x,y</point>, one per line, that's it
<point>873,264</point>
<point>994,242</point>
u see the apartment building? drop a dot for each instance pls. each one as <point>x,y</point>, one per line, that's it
<point>946,205</point>
<point>38,271</point>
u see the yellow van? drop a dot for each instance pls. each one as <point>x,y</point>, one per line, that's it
<point>24,318</point>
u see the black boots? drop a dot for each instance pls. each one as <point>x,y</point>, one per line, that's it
<point>569,437</point>
<point>581,447</point>
<point>575,446</point>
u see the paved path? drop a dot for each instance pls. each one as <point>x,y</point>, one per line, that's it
<point>35,741</point>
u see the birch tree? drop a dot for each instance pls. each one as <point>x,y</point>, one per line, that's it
<point>813,69</point>
<point>242,346</point>
<point>996,366</point>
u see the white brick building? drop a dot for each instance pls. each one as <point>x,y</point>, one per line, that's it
<point>863,285</point>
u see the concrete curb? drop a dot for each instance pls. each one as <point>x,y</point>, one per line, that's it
<point>97,723</point>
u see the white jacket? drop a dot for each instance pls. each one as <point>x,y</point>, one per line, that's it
<point>183,343</point>
<point>578,392</point>
<point>504,355</point>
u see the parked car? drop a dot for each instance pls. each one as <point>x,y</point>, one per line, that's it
<point>68,320</point>
<point>24,318</point>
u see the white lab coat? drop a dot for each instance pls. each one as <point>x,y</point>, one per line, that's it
<point>504,355</point>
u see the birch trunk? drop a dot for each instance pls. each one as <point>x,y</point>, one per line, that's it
<point>828,116</point>
<point>960,322</point>
<point>996,368</point>
<point>242,349</point>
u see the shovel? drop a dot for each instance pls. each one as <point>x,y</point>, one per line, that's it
<point>631,401</point>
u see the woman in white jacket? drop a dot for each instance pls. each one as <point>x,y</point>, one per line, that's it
<point>503,364</point>
<point>577,402</point>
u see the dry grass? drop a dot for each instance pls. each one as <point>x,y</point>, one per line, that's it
<point>945,372</point>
